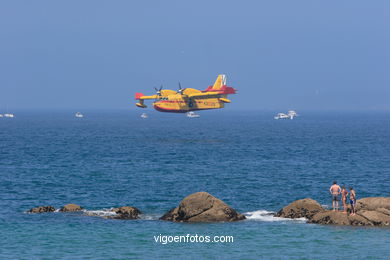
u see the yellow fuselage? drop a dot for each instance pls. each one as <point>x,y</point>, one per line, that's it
<point>182,104</point>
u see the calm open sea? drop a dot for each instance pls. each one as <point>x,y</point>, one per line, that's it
<point>254,163</point>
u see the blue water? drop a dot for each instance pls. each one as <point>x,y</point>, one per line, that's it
<point>254,163</point>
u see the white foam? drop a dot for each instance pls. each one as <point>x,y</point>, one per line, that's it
<point>149,216</point>
<point>100,213</point>
<point>268,216</point>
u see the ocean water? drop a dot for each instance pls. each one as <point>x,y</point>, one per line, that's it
<point>254,163</point>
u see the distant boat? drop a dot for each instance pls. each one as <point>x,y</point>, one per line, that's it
<point>144,115</point>
<point>281,116</point>
<point>9,115</point>
<point>192,114</point>
<point>1,115</point>
<point>79,115</point>
<point>290,115</point>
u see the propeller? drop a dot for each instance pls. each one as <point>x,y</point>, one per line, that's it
<point>180,91</point>
<point>158,91</point>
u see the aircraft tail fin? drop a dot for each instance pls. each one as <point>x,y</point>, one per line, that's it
<point>219,82</point>
<point>138,96</point>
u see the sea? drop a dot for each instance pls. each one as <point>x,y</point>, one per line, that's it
<point>251,161</point>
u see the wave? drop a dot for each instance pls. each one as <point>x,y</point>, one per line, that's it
<point>268,216</point>
<point>99,213</point>
<point>150,216</point>
<point>258,215</point>
<point>106,213</point>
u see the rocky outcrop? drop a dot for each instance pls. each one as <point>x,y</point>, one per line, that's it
<point>202,207</point>
<point>375,217</point>
<point>304,208</point>
<point>71,208</point>
<point>373,203</point>
<point>339,218</point>
<point>126,213</point>
<point>330,218</point>
<point>374,211</point>
<point>42,209</point>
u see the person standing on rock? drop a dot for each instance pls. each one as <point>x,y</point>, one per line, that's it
<point>352,198</point>
<point>344,194</point>
<point>335,191</point>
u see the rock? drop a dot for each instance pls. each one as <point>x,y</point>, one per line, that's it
<point>303,208</point>
<point>42,209</point>
<point>374,211</point>
<point>71,208</point>
<point>376,217</point>
<point>330,218</point>
<point>373,203</point>
<point>202,207</point>
<point>357,220</point>
<point>383,211</point>
<point>126,213</point>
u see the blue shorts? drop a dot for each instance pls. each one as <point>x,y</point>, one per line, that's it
<point>353,202</point>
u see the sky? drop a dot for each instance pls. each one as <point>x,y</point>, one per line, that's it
<point>279,55</point>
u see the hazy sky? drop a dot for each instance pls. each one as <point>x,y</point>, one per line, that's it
<point>278,54</point>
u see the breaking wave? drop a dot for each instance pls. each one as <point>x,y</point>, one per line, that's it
<point>109,213</point>
<point>268,216</point>
<point>99,213</point>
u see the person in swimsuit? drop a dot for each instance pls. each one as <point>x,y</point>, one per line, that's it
<point>335,191</point>
<point>344,194</point>
<point>352,198</point>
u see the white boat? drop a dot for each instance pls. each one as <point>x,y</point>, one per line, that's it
<point>192,114</point>
<point>79,115</point>
<point>281,116</point>
<point>144,115</point>
<point>1,115</point>
<point>9,115</point>
<point>292,114</point>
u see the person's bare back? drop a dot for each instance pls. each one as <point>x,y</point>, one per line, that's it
<point>335,189</point>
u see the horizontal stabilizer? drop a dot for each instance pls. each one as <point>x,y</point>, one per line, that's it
<point>225,100</point>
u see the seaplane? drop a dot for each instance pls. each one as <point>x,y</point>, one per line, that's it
<point>189,99</point>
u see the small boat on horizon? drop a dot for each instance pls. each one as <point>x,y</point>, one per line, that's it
<point>290,115</point>
<point>9,115</point>
<point>192,114</point>
<point>281,116</point>
<point>79,115</point>
<point>144,116</point>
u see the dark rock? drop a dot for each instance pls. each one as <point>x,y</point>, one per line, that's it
<point>126,213</point>
<point>339,218</point>
<point>42,209</point>
<point>202,207</point>
<point>303,208</point>
<point>383,211</point>
<point>374,211</point>
<point>373,203</point>
<point>376,217</point>
<point>330,218</point>
<point>357,220</point>
<point>71,208</point>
